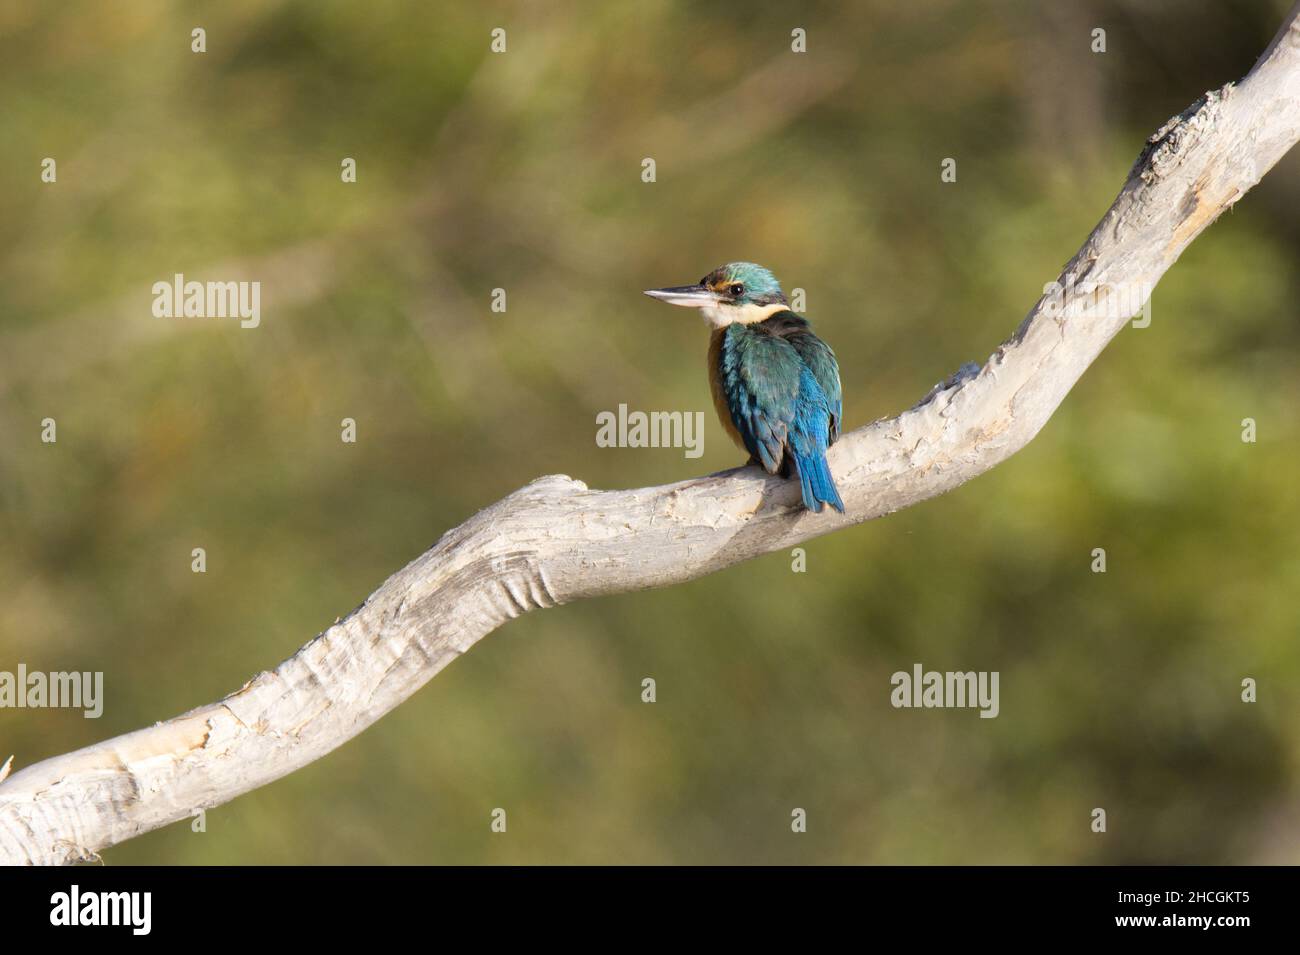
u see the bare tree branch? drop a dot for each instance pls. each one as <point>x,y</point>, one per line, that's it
<point>556,540</point>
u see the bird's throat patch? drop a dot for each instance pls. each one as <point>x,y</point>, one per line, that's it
<point>720,316</point>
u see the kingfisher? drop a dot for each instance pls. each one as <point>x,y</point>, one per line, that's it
<point>776,385</point>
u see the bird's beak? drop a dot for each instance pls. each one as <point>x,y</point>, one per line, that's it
<point>688,296</point>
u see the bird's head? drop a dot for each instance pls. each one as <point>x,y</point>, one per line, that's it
<point>739,292</point>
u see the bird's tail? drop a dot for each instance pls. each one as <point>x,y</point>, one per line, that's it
<point>816,483</point>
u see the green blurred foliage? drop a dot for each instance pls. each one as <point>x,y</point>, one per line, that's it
<point>522,171</point>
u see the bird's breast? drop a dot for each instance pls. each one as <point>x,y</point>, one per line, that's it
<point>720,404</point>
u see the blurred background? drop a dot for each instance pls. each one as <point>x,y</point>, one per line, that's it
<point>522,171</point>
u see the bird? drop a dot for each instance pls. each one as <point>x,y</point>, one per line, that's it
<point>775,384</point>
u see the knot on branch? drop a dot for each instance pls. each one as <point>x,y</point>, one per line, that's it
<point>1164,150</point>
<point>549,485</point>
<point>954,381</point>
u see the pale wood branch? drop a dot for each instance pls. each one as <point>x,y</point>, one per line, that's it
<point>556,540</point>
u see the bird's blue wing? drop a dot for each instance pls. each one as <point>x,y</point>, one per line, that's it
<point>820,359</point>
<point>760,376</point>
<point>811,433</point>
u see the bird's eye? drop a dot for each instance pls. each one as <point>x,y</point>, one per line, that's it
<point>737,290</point>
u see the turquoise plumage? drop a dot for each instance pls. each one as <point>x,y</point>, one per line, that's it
<point>775,384</point>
